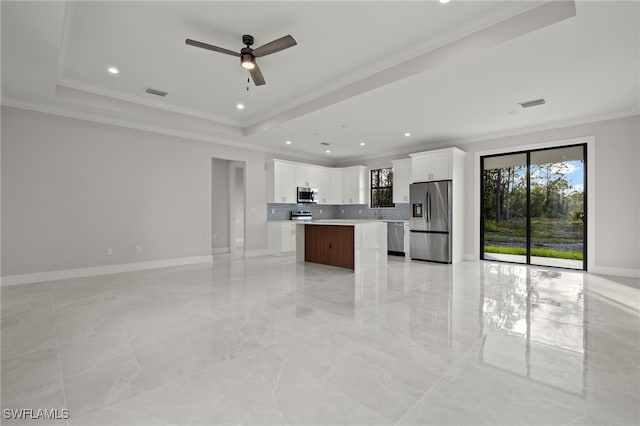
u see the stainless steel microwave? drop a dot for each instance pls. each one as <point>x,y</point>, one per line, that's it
<point>307,195</point>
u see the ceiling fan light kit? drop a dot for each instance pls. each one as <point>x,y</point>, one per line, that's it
<point>248,55</point>
<point>248,62</point>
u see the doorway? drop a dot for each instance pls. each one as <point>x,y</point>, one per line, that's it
<point>227,206</point>
<point>236,206</point>
<point>533,207</point>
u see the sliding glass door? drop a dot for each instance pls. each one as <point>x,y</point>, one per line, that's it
<point>504,180</point>
<point>533,207</point>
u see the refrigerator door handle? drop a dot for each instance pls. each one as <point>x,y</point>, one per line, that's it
<point>426,206</point>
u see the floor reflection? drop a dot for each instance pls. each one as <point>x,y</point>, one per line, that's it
<point>534,324</point>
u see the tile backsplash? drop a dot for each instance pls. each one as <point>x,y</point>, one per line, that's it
<point>352,211</point>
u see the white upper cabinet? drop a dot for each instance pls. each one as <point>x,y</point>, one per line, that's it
<point>281,178</point>
<point>354,185</point>
<point>323,185</point>
<point>435,165</point>
<point>316,177</point>
<point>337,178</point>
<point>401,180</point>
<point>335,185</point>
<point>307,175</point>
<point>348,185</point>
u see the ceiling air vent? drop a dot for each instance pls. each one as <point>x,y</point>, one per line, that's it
<point>535,102</point>
<point>325,143</point>
<point>155,92</point>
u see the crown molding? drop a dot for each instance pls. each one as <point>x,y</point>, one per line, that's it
<point>426,145</point>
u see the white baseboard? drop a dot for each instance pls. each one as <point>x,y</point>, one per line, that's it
<point>100,270</point>
<point>256,253</point>
<point>470,256</point>
<point>618,272</point>
<point>220,250</point>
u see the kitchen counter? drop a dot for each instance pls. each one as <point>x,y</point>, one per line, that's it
<point>369,242</point>
<point>338,221</point>
<point>346,222</point>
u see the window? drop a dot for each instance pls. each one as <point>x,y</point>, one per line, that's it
<point>382,188</point>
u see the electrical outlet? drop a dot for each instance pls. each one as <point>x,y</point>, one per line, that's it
<point>138,249</point>
<point>359,211</point>
<point>341,211</point>
<point>273,211</point>
<point>109,251</point>
<point>320,211</point>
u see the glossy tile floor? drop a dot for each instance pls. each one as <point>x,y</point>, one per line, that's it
<point>266,341</point>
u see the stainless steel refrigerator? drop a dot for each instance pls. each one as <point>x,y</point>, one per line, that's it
<point>430,221</point>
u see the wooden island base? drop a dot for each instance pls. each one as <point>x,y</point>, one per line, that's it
<point>356,245</point>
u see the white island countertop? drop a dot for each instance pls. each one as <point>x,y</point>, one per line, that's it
<point>345,222</point>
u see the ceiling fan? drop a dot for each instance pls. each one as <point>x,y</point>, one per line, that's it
<point>248,55</point>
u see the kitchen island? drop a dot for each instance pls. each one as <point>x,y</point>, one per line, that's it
<point>352,244</point>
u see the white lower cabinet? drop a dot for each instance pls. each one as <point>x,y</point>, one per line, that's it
<point>281,238</point>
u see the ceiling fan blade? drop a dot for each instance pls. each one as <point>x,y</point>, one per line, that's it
<point>256,75</point>
<point>210,47</point>
<point>275,46</point>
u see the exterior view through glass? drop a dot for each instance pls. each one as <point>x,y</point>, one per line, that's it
<point>382,188</point>
<point>533,207</point>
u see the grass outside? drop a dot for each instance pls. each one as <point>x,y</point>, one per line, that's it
<point>543,231</point>
<point>558,254</point>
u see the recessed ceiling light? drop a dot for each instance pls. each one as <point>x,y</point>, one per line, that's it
<point>407,134</point>
<point>328,151</point>
<point>240,106</point>
<point>288,142</point>
<point>113,70</point>
<point>362,143</point>
<point>444,1</point>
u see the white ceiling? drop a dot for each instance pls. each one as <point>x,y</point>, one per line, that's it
<point>361,72</point>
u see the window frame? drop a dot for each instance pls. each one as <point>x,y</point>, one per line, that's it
<point>378,188</point>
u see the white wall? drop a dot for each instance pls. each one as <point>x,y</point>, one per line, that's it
<point>72,188</point>
<point>615,159</point>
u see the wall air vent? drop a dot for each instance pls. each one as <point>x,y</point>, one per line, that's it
<point>155,92</point>
<point>535,102</point>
